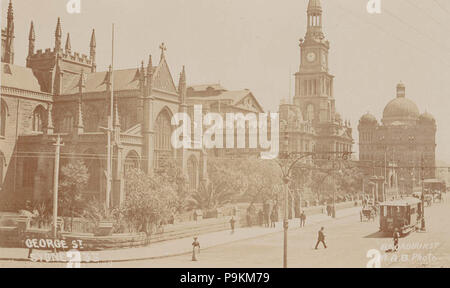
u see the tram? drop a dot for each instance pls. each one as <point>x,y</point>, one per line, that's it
<point>403,214</point>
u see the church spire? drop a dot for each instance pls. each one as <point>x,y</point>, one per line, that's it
<point>58,35</point>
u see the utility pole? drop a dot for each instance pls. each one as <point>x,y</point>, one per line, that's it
<point>422,228</point>
<point>55,185</point>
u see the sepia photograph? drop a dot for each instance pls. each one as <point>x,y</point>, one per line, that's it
<point>225,134</point>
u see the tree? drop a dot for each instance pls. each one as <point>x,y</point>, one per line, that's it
<point>170,172</point>
<point>350,180</point>
<point>262,177</point>
<point>244,179</point>
<point>74,180</point>
<point>150,201</point>
<point>208,196</point>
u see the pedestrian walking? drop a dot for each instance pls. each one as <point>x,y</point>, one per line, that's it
<point>321,238</point>
<point>260,218</point>
<point>396,236</point>
<point>195,244</point>
<point>302,219</point>
<point>232,222</point>
<point>273,218</point>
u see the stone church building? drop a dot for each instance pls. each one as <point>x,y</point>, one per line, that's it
<point>61,92</point>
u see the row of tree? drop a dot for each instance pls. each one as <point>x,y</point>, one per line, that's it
<point>153,200</point>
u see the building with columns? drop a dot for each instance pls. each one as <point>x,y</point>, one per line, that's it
<point>60,92</point>
<point>402,147</point>
<point>314,98</point>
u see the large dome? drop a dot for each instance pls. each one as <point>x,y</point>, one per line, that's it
<point>401,108</point>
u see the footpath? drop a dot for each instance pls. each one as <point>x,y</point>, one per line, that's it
<point>183,246</point>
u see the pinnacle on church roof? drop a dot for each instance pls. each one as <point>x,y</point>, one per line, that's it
<point>58,32</point>
<point>68,45</point>
<point>32,35</point>
<point>10,11</point>
<point>93,42</point>
<point>150,64</point>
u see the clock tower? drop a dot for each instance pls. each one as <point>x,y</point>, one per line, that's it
<point>313,83</point>
<point>314,93</point>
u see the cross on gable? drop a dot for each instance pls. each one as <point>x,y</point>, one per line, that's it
<point>163,49</point>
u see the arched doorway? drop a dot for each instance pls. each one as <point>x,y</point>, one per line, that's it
<point>163,133</point>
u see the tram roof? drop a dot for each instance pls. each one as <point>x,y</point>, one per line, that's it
<point>401,202</point>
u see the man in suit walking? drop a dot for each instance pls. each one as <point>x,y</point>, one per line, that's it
<point>321,238</point>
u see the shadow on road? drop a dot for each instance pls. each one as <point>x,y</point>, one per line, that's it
<point>378,235</point>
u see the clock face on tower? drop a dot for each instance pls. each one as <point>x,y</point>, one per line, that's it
<point>311,57</point>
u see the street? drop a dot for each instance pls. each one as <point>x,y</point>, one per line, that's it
<point>348,241</point>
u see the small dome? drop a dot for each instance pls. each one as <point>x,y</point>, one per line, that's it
<point>338,117</point>
<point>368,119</point>
<point>427,117</point>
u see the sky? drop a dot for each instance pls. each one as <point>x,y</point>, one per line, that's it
<point>253,44</point>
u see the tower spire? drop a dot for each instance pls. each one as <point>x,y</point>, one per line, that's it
<point>58,35</point>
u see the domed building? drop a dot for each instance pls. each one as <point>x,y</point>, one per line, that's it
<point>399,146</point>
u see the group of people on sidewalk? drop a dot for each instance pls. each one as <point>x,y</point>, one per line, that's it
<point>267,216</point>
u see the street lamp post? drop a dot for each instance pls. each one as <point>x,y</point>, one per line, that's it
<point>286,181</point>
<point>286,169</point>
<point>422,228</point>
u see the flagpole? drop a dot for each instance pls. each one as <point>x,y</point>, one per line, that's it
<point>110,129</point>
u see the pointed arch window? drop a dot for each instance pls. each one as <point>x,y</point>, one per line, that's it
<point>67,123</point>
<point>39,121</point>
<point>163,133</point>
